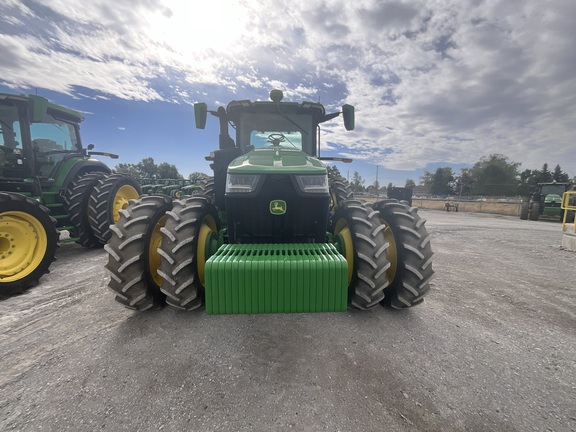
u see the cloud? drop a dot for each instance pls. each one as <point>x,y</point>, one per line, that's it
<point>433,81</point>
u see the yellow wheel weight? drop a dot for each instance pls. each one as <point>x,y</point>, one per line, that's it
<point>343,232</point>
<point>153,255</point>
<point>122,199</point>
<point>23,243</point>
<point>207,228</point>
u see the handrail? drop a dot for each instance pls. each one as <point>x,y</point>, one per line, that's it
<point>566,198</point>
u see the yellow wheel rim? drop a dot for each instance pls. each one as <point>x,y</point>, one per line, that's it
<point>207,228</point>
<point>391,252</point>
<point>122,199</point>
<point>23,243</point>
<point>153,255</point>
<point>342,231</point>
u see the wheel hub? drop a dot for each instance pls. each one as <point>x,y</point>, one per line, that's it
<point>122,199</point>
<point>22,245</point>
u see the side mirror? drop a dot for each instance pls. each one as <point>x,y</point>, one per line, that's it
<point>200,114</point>
<point>348,114</point>
<point>90,147</point>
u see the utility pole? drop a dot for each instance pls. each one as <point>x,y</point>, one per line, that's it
<point>377,184</point>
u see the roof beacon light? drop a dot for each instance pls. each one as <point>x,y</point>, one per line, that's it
<point>276,95</point>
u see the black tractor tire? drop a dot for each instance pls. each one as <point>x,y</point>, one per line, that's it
<point>176,194</point>
<point>410,254</point>
<point>181,267</point>
<point>534,211</point>
<point>111,194</point>
<point>77,199</point>
<point>359,236</point>
<point>524,210</point>
<point>133,258</point>
<point>28,242</point>
<point>207,187</point>
<point>339,192</point>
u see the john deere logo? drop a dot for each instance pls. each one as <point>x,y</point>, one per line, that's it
<point>277,207</point>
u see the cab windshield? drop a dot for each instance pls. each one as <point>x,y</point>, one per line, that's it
<point>273,130</point>
<point>553,189</point>
<point>263,139</point>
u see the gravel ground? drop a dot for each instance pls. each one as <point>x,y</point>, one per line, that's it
<point>492,348</point>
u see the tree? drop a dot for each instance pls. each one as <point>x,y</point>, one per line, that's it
<point>426,179</point>
<point>410,183</point>
<point>168,171</point>
<point>333,171</point>
<point>357,184</point>
<point>495,175</point>
<point>146,168</point>
<point>196,176</point>
<point>463,184</point>
<point>559,175</point>
<point>528,181</point>
<point>439,182</point>
<point>545,174</point>
<point>442,182</point>
<point>126,168</point>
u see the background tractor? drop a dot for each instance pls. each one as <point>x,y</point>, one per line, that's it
<point>49,183</point>
<point>270,232</point>
<point>174,188</point>
<point>546,201</point>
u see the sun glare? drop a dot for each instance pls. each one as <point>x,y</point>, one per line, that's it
<point>195,27</point>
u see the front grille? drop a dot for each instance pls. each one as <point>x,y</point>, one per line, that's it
<point>250,219</point>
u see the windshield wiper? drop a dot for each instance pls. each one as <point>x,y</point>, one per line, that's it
<point>290,120</point>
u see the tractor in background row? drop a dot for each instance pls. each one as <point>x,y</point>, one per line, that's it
<point>546,201</point>
<point>174,188</point>
<point>50,183</point>
<point>270,232</point>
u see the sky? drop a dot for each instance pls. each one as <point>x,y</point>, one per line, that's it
<point>435,83</point>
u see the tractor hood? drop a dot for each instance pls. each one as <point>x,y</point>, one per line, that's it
<point>276,161</point>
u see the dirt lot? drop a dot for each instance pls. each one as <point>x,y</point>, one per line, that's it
<point>492,348</point>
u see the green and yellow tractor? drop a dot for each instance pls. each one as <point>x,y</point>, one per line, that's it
<point>174,188</point>
<point>546,202</point>
<point>50,183</point>
<point>270,232</point>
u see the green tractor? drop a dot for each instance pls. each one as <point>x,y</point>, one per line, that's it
<point>50,183</point>
<point>546,201</point>
<point>174,188</point>
<point>270,232</point>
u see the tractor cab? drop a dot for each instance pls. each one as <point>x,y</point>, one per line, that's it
<point>270,136</point>
<point>37,138</point>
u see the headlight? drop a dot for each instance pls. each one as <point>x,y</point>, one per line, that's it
<point>313,183</point>
<point>241,183</point>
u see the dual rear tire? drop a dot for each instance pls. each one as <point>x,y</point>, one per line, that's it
<point>133,260</point>
<point>409,253</point>
<point>157,252</point>
<point>388,251</point>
